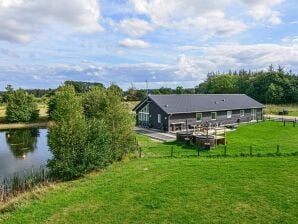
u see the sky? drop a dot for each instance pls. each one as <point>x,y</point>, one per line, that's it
<point>166,42</point>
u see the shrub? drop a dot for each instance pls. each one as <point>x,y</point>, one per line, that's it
<point>82,140</point>
<point>21,106</point>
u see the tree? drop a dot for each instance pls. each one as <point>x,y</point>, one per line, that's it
<point>95,103</point>
<point>164,90</point>
<point>141,94</point>
<point>132,94</point>
<point>57,109</point>
<point>119,126</point>
<point>86,139</point>
<point>179,90</point>
<point>274,94</point>
<point>21,106</point>
<point>68,136</point>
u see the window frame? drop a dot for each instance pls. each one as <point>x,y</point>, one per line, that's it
<point>201,116</point>
<point>214,119</point>
<point>231,113</point>
<point>143,114</point>
<point>159,118</point>
<point>242,113</point>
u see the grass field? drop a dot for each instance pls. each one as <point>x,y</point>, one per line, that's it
<point>189,190</point>
<point>263,137</point>
<point>274,109</point>
<point>178,190</point>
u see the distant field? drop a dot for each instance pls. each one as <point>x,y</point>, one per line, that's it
<point>263,137</point>
<point>274,109</point>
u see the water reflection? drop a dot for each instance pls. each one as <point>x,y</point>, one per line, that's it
<point>22,141</point>
<point>22,149</point>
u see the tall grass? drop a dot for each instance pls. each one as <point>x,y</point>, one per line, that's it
<point>274,109</point>
<point>22,182</point>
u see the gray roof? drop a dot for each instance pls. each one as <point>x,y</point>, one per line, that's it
<point>186,103</point>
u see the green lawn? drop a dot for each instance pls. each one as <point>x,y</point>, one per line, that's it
<point>263,137</point>
<point>185,190</point>
<point>179,190</point>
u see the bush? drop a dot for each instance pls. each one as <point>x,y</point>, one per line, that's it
<point>21,106</point>
<point>89,131</point>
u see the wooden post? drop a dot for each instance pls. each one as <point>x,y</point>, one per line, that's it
<point>172,151</point>
<point>215,136</point>
<point>225,150</point>
<point>250,150</point>
<point>225,135</point>
<point>277,149</point>
<point>140,152</point>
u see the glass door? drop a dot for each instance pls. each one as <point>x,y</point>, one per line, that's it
<point>254,114</point>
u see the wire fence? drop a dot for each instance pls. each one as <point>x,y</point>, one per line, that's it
<point>180,151</point>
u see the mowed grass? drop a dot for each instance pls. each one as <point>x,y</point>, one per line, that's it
<point>184,190</point>
<point>263,137</point>
<point>274,109</point>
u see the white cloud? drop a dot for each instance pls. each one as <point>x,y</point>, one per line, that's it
<point>212,24</point>
<point>235,56</point>
<point>20,19</point>
<point>134,43</point>
<point>206,17</point>
<point>135,27</point>
<point>262,10</point>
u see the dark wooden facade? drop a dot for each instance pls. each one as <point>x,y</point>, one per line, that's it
<point>159,119</point>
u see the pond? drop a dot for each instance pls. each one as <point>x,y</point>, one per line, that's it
<point>22,149</point>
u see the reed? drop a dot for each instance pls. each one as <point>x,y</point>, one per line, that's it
<point>22,182</point>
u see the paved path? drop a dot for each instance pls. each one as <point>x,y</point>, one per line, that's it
<point>281,117</point>
<point>155,134</point>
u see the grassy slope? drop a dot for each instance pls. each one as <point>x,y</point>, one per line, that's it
<point>184,190</point>
<point>264,138</point>
<point>232,190</point>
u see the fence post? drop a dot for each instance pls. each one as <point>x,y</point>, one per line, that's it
<point>172,151</point>
<point>293,123</point>
<point>250,150</point>
<point>140,152</point>
<point>277,149</point>
<point>225,150</point>
<point>198,150</point>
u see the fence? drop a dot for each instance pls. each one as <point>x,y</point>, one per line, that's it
<point>180,151</point>
<point>292,120</point>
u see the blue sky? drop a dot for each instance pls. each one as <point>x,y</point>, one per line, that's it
<point>169,43</point>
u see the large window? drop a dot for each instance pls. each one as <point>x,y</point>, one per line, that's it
<point>144,114</point>
<point>159,118</point>
<point>213,115</point>
<point>229,114</point>
<point>241,113</point>
<point>253,114</point>
<point>199,117</point>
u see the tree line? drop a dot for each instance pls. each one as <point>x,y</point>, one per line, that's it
<point>89,130</point>
<point>270,87</point>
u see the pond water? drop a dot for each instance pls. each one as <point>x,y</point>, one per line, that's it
<point>22,149</point>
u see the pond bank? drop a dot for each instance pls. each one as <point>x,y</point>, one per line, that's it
<point>40,124</point>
